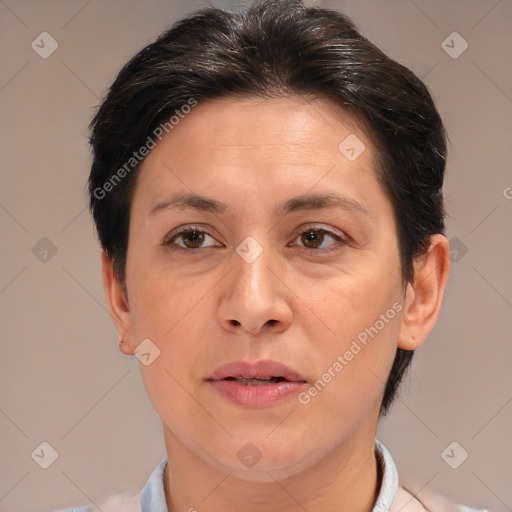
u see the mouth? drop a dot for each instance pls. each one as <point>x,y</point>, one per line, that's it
<point>256,374</point>
<point>257,382</point>
<point>261,384</point>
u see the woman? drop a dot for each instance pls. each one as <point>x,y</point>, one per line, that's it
<point>267,191</point>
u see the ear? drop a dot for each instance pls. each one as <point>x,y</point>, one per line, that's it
<point>424,295</point>
<point>118,305</point>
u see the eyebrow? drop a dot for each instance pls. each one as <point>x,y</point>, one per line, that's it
<point>305,202</point>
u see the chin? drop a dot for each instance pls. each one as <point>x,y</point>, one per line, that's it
<point>264,461</point>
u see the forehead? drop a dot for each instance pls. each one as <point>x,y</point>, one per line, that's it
<point>238,145</point>
<point>284,124</point>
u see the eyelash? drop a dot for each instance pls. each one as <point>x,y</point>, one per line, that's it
<point>169,240</point>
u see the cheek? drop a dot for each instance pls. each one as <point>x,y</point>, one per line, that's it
<point>174,314</point>
<point>355,353</point>
<point>352,301</point>
<point>160,300</point>
<point>169,381</point>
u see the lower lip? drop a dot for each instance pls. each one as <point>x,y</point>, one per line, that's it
<point>263,395</point>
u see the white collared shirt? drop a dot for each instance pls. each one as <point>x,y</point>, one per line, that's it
<point>392,497</point>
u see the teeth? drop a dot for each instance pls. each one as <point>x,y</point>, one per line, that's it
<point>258,382</point>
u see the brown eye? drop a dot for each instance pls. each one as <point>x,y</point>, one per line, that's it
<point>315,238</point>
<point>191,239</point>
<point>311,238</point>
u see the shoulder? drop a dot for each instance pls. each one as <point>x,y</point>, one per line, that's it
<point>122,503</point>
<point>405,501</point>
<point>117,503</point>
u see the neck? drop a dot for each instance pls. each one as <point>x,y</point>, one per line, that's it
<point>347,480</point>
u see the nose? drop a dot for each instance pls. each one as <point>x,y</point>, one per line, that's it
<point>255,299</point>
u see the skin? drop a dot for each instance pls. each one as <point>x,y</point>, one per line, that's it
<point>300,303</point>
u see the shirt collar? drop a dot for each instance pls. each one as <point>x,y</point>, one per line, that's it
<point>152,497</point>
<point>389,484</point>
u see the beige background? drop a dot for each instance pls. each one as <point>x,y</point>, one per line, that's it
<point>63,379</point>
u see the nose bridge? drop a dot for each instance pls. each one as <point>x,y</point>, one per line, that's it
<point>255,298</point>
<point>255,281</point>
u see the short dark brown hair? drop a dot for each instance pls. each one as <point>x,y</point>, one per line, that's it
<point>275,49</point>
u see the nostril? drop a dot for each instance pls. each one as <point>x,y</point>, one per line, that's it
<point>236,323</point>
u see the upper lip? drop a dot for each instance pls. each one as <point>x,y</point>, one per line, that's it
<point>263,369</point>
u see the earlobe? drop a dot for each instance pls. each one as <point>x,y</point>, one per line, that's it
<point>424,296</point>
<point>118,305</point>
<point>126,347</point>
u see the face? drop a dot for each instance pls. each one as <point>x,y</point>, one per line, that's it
<point>291,257</point>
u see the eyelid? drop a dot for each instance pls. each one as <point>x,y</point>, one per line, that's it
<point>321,227</point>
<point>187,228</point>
